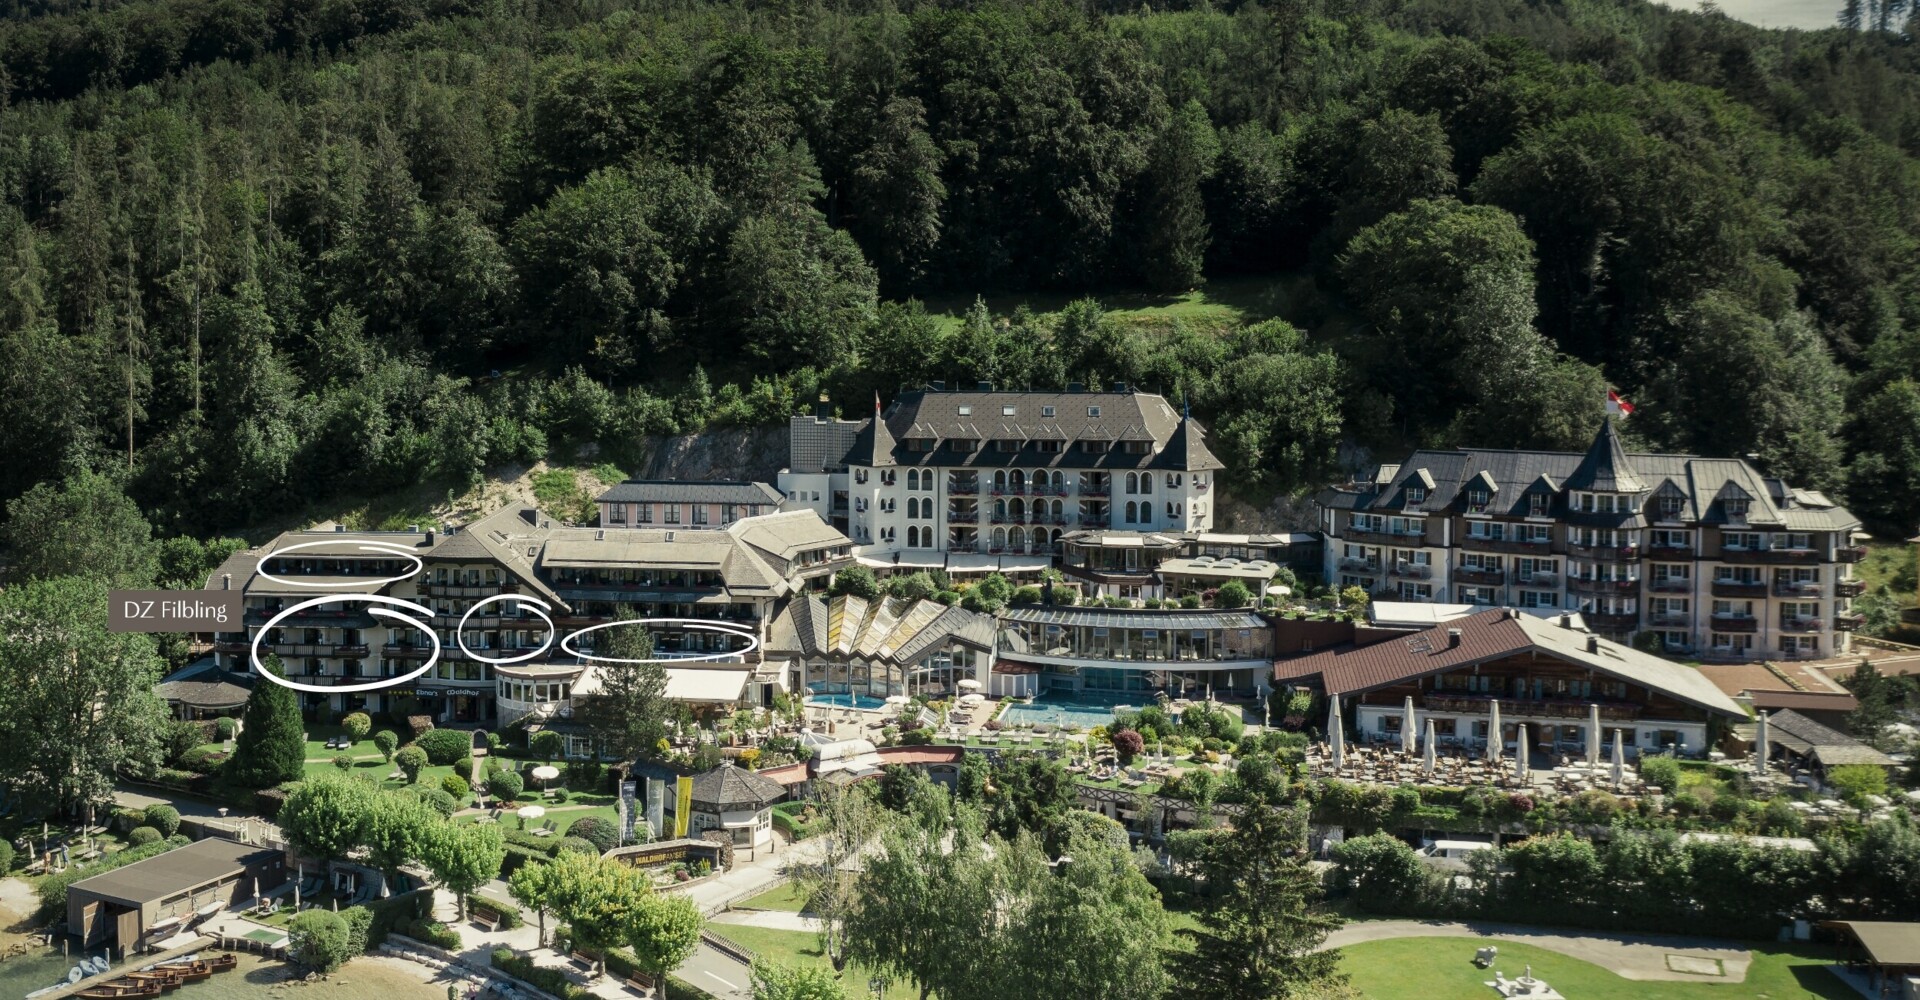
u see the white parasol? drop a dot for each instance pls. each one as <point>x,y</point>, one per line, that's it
<point>1593,735</point>
<point>1407,735</point>
<point>1520,756</point>
<point>1336,736</point>
<point>1427,763</point>
<point>1495,743</point>
<point>1619,761</point>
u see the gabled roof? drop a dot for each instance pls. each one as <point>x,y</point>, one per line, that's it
<point>785,535</point>
<point>728,787</point>
<point>1492,635</point>
<point>1823,743</point>
<point>1605,468</point>
<point>688,491</point>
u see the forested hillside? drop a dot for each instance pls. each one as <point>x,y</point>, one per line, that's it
<point>257,253</point>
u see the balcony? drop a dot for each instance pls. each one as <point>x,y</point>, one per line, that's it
<point>1850,553</point>
<point>963,487</point>
<point>1770,556</point>
<point>1670,619</point>
<point>1095,489</point>
<point>1360,565</point>
<point>1849,588</point>
<point>1734,623</point>
<point>1796,588</point>
<point>469,589</point>
<point>1587,585</point>
<point>1471,704</point>
<point>1848,621</point>
<point>1803,625</point>
<point>1482,543</point>
<point>1612,621</point>
<point>1739,588</point>
<point>1358,532</point>
<point>1669,550</point>
<point>1480,577</point>
<point>406,649</point>
<point>1606,553</point>
<point>1672,585</point>
<point>1411,571</point>
<point>967,514</point>
<point>1537,580</point>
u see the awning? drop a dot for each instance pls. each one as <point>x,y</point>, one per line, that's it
<point>976,562</point>
<point>904,561</point>
<point>705,685</point>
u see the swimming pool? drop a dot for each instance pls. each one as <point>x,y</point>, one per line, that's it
<point>1057,710</point>
<point>865,703</point>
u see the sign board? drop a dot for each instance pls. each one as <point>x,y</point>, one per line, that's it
<point>175,610</point>
<point>656,807</point>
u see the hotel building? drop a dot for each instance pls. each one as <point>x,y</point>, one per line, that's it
<point>1709,556</point>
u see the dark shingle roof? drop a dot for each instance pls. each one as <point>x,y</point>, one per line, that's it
<point>679,491</point>
<point>729,787</point>
<point>1823,743</point>
<point>172,872</point>
<point>1605,467</point>
<point>1036,417</point>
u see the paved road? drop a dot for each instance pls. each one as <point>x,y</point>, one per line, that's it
<point>718,973</point>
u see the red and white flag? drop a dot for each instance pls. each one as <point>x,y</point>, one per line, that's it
<point>1618,407</point>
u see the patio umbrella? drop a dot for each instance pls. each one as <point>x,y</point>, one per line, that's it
<point>1520,755</point>
<point>1494,743</point>
<point>300,875</point>
<point>1593,735</point>
<point>1407,735</point>
<point>969,685</point>
<point>1428,763</point>
<point>1619,761</point>
<point>1760,748</point>
<point>1336,737</point>
<point>545,773</point>
<point>529,812</point>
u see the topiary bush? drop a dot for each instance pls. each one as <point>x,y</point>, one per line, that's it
<point>386,741</point>
<point>446,746</point>
<point>357,725</point>
<point>223,728</point>
<point>576,845</point>
<point>143,835</point>
<point>436,799</point>
<point>319,940</point>
<point>163,818</point>
<point>1661,771</point>
<point>411,759</point>
<point>505,786</point>
<point>457,787</point>
<point>343,762</point>
<point>604,836</point>
<point>558,795</point>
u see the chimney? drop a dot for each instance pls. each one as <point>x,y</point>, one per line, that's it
<point>339,529</point>
<point>226,581</point>
<point>986,387</point>
<point>823,408</point>
<point>600,535</point>
<point>1453,637</point>
<point>430,534</point>
<point>1593,644</point>
<point>1566,621</point>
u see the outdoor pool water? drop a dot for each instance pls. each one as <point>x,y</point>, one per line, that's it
<point>865,703</point>
<point>1059,710</point>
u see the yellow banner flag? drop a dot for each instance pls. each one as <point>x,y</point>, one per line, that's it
<point>683,806</point>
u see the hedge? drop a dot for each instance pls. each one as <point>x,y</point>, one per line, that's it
<point>509,915</point>
<point>446,746</point>
<point>551,980</point>
<point>53,888</point>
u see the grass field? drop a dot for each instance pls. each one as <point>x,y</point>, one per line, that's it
<point>1443,969</point>
<point>1219,305</point>
<point>786,896</point>
<point>803,948</point>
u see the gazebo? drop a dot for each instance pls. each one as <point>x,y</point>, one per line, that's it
<point>737,801</point>
<point>204,690</point>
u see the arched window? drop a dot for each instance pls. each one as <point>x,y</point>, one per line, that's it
<point>1146,483</point>
<point>1017,539</point>
<point>1000,509</point>
<point>999,479</point>
<point>1057,515</point>
<point>913,507</point>
<point>1016,480</point>
<point>1053,539</point>
<point>999,538</point>
<point>1017,509</point>
<point>917,538</point>
<point>1040,478</point>
<point>1132,508</point>
<point>1173,510</point>
<point>1133,486</point>
<point>913,479</point>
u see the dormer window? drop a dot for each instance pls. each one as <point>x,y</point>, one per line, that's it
<point>1736,508</point>
<point>1416,495</point>
<point>964,444</point>
<point>1671,506</point>
<point>1477,500</point>
<point>1046,411</point>
<point>1095,447</point>
<point>919,444</point>
<point>1006,444</point>
<point>1136,447</point>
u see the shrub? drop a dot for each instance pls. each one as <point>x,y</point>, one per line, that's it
<point>434,933</point>
<point>493,741</point>
<point>436,799</point>
<point>1857,781</point>
<point>357,725</point>
<point>505,786</point>
<point>163,818</point>
<point>141,836</point>
<point>585,775</point>
<point>546,744</point>
<point>411,759</point>
<point>386,741</point>
<point>223,728</point>
<point>1520,802</point>
<point>457,787</point>
<point>551,981</point>
<point>127,819</point>
<point>558,795</point>
<point>446,746</point>
<point>1128,744</point>
<point>577,845</point>
<point>343,762</point>
<point>604,836</point>
<point>202,760</point>
<point>917,737</point>
<point>1661,771</point>
<point>1190,601</point>
<point>319,940</point>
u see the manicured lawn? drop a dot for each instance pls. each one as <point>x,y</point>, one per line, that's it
<point>803,948</point>
<point>786,896</point>
<point>1443,969</point>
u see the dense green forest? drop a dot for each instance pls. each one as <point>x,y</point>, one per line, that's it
<point>260,253</point>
